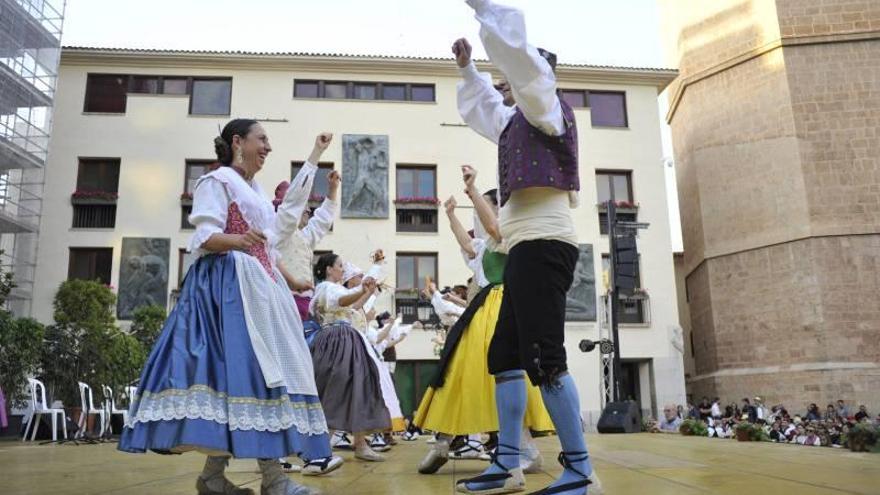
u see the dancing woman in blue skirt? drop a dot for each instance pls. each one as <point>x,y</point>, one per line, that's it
<point>231,374</point>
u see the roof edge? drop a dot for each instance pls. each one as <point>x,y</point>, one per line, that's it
<point>335,62</point>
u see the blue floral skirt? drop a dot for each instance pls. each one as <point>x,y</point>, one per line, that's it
<point>202,387</point>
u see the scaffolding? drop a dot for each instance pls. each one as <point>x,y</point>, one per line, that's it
<point>30,51</point>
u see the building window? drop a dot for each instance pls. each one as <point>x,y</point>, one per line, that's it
<point>416,202</point>
<point>107,93</point>
<point>363,90</point>
<point>631,309</point>
<point>98,175</point>
<point>619,186</point>
<point>90,264</point>
<point>185,211</point>
<point>184,261</point>
<point>144,84</point>
<point>608,109</point>
<point>394,92</point>
<point>305,89</point>
<point>210,97</point>
<point>422,92</point>
<point>321,186</point>
<point>576,98</point>
<point>412,270</point>
<point>97,186</point>
<point>175,86</point>
<point>193,170</point>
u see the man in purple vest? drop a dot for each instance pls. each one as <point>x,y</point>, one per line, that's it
<point>538,182</point>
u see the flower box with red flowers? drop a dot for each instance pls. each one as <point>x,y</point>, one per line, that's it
<point>639,293</point>
<point>417,203</point>
<point>88,197</point>
<point>622,206</point>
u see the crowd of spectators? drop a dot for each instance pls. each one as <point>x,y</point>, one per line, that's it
<point>813,428</point>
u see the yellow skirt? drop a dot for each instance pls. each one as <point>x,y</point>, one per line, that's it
<point>465,403</point>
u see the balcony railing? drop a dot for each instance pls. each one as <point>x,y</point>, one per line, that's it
<point>416,219</point>
<point>631,310</point>
<point>415,309</point>
<point>94,216</point>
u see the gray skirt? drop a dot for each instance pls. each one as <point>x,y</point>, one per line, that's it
<point>348,381</point>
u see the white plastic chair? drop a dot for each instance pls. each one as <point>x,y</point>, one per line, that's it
<point>39,407</point>
<point>87,400</point>
<point>110,407</point>
<point>131,392</point>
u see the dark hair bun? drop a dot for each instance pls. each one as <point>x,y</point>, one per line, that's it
<point>224,153</point>
<point>324,262</point>
<point>223,142</point>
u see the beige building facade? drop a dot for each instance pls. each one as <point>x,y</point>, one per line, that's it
<point>136,126</point>
<point>775,119</point>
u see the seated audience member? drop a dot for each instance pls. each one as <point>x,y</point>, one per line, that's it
<point>862,414</point>
<point>749,410</point>
<point>777,434</point>
<point>705,409</point>
<point>800,436</point>
<point>812,439</point>
<point>720,428</point>
<point>760,409</point>
<point>789,431</point>
<point>813,413</point>
<point>670,422</point>
<point>830,412</point>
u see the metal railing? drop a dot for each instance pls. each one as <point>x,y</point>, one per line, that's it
<point>94,216</point>
<point>46,13</point>
<point>414,309</point>
<point>18,131</point>
<point>416,220</point>
<point>14,198</point>
<point>632,310</point>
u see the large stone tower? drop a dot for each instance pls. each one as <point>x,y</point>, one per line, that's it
<point>776,125</point>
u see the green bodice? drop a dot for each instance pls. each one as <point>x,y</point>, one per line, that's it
<point>493,266</point>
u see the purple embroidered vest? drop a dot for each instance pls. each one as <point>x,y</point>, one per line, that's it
<point>529,158</point>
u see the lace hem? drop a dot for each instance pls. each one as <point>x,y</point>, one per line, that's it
<point>240,413</point>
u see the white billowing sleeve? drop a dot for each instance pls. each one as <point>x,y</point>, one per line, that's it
<point>319,225</point>
<point>372,334</point>
<point>476,264</point>
<point>209,211</point>
<point>503,33</point>
<point>292,206</point>
<point>480,105</point>
<point>335,292</point>
<point>444,307</point>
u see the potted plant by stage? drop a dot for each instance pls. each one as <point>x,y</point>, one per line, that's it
<point>861,437</point>
<point>744,431</point>
<point>20,343</point>
<point>85,345</point>
<point>693,427</point>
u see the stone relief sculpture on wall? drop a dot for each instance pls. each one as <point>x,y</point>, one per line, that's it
<point>364,176</point>
<point>580,304</point>
<point>143,274</point>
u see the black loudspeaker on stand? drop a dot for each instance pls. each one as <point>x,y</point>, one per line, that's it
<point>620,417</point>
